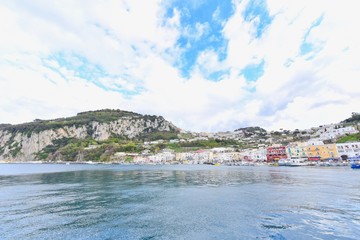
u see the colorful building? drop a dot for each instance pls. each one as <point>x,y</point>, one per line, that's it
<point>275,153</point>
<point>322,152</point>
<point>296,150</point>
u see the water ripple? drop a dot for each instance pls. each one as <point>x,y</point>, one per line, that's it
<point>180,202</point>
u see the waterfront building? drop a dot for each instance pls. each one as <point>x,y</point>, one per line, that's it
<point>199,156</point>
<point>275,153</point>
<point>254,155</point>
<point>349,151</point>
<point>226,157</point>
<point>222,149</point>
<point>296,150</point>
<point>162,157</point>
<point>322,152</point>
<point>258,155</point>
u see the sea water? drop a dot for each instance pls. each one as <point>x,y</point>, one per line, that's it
<point>44,201</point>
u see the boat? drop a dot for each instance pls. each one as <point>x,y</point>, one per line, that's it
<point>355,165</point>
<point>283,162</point>
<point>296,163</point>
<point>217,164</point>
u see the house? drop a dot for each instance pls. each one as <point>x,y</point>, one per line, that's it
<point>322,152</point>
<point>349,151</point>
<point>296,150</point>
<point>275,153</point>
<point>332,132</point>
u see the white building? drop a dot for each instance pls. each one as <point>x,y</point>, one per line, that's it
<point>226,157</point>
<point>331,132</point>
<point>314,142</point>
<point>197,157</point>
<point>162,157</point>
<point>351,150</point>
<point>258,155</point>
<point>222,149</point>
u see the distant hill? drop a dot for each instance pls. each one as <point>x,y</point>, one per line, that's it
<point>249,131</point>
<point>355,118</point>
<point>47,139</point>
<point>83,118</point>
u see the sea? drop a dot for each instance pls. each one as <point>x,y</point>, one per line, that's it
<point>102,201</point>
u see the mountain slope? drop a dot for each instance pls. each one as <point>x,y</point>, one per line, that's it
<point>26,142</point>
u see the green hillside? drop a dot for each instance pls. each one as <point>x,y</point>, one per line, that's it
<point>349,138</point>
<point>84,118</point>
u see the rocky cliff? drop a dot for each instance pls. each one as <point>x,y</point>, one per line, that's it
<point>24,142</point>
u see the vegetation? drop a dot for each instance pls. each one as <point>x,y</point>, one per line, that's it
<point>2,150</point>
<point>249,131</point>
<point>349,138</point>
<point>89,149</point>
<point>176,147</point>
<point>51,149</point>
<point>15,149</point>
<point>129,159</point>
<point>71,149</point>
<point>202,144</point>
<point>355,118</point>
<point>84,118</point>
<point>159,135</point>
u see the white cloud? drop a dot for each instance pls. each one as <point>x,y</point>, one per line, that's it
<point>28,94</point>
<point>195,33</point>
<point>136,48</point>
<point>291,79</point>
<point>114,35</point>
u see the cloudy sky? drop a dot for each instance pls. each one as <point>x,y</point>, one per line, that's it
<point>205,65</point>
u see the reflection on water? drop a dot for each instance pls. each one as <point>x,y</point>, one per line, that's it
<point>179,202</point>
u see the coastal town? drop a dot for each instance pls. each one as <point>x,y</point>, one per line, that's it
<point>119,137</point>
<point>281,147</point>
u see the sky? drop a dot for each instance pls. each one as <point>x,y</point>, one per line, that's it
<point>214,65</point>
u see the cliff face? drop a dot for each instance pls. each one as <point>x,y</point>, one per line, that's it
<point>24,142</point>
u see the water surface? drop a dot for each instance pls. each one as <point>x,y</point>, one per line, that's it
<point>40,201</point>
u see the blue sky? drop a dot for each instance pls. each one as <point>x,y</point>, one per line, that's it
<point>211,65</point>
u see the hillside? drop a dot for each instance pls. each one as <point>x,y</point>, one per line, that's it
<point>250,131</point>
<point>355,118</point>
<point>67,138</point>
<point>105,135</point>
<point>349,138</point>
<point>84,118</point>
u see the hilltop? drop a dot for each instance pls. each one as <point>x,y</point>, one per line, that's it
<point>355,118</point>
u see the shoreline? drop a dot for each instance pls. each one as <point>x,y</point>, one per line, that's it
<point>179,163</point>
